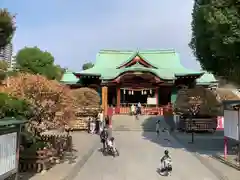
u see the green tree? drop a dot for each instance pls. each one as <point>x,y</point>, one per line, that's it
<point>7,27</point>
<point>216,37</point>
<point>3,70</point>
<point>3,65</point>
<point>34,60</point>
<point>13,107</point>
<point>87,66</point>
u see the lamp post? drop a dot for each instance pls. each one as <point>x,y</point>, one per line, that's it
<point>194,109</point>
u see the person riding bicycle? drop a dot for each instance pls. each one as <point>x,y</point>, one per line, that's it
<point>164,158</point>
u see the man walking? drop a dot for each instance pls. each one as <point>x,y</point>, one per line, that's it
<point>158,127</point>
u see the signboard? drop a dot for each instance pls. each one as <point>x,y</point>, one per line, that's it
<point>151,101</point>
<point>231,124</point>
<point>8,148</point>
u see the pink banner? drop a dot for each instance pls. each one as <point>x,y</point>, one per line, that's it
<point>220,123</point>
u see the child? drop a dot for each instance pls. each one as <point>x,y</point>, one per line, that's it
<point>110,142</point>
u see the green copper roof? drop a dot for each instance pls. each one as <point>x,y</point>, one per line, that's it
<point>167,64</point>
<point>206,78</point>
<point>158,58</point>
<point>69,78</point>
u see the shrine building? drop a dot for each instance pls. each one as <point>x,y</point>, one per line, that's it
<point>151,77</point>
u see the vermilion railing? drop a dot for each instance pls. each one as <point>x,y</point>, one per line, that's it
<point>163,110</point>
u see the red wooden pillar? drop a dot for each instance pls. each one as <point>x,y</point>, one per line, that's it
<point>156,96</point>
<point>118,97</point>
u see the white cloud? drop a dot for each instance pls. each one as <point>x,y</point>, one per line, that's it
<point>152,24</point>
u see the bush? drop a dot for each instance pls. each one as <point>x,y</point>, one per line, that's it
<point>46,98</point>
<point>86,97</point>
<point>210,106</point>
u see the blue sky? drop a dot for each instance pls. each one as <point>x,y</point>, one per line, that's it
<point>75,30</point>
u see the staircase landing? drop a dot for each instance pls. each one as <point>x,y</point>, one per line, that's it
<point>130,123</point>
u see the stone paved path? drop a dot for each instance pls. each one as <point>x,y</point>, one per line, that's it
<point>206,146</point>
<point>139,159</point>
<point>129,123</point>
<point>140,151</point>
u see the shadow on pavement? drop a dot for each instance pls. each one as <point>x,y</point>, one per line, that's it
<point>164,137</point>
<point>204,143</point>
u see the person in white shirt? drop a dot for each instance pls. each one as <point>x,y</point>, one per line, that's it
<point>92,125</point>
<point>133,110</point>
<point>101,120</point>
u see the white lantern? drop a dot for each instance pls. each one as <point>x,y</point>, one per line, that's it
<point>124,91</point>
<point>142,92</point>
<point>129,92</point>
<point>145,92</point>
<point>150,91</point>
<point>132,92</point>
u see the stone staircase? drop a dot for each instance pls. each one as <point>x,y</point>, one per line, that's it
<point>129,123</point>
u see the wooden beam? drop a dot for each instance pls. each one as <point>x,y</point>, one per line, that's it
<point>105,100</point>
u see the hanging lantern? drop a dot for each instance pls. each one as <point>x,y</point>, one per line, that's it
<point>132,92</point>
<point>124,91</point>
<point>145,92</point>
<point>142,92</point>
<point>129,92</point>
<point>150,91</point>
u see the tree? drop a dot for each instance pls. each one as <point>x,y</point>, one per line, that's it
<point>3,69</point>
<point>3,65</point>
<point>34,60</point>
<point>7,27</point>
<point>87,66</point>
<point>52,104</point>
<point>216,37</point>
<point>13,107</point>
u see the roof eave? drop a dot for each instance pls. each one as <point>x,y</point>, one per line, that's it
<point>86,74</point>
<point>196,75</point>
<point>69,82</point>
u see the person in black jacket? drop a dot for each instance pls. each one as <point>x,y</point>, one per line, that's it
<point>104,136</point>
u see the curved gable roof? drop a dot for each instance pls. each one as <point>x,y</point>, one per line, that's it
<point>157,58</point>
<point>167,63</point>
